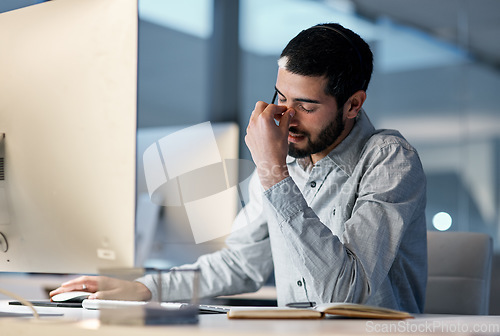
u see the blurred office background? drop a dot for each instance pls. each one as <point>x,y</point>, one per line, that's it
<point>436,78</point>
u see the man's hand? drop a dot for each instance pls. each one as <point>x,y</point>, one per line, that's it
<point>268,142</point>
<point>106,288</point>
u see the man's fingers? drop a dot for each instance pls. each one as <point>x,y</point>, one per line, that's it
<point>272,112</point>
<point>259,108</point>
<point>268,111</point>
<point>59,291</point>
<point>84,283</point>
<point>102,287</point>
<point>285,119</point>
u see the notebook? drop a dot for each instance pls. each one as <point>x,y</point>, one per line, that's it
<point>319,311</point>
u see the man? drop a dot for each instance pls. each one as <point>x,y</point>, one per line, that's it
<point>336,207</point>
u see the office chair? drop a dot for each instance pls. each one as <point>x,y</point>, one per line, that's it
<point>459,273</point>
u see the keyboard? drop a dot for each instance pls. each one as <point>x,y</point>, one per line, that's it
<point>47,303</point>
<point>114,304</point>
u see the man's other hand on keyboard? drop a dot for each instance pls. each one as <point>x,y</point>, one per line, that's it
<point>106,288</point>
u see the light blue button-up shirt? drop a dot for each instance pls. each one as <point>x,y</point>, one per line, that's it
<point>350,228</point>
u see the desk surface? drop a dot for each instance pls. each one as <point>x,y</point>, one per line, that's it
<point>76,322</point>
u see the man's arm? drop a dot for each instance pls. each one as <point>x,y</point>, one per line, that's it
<point>391,195</point>
<point>243,266</point>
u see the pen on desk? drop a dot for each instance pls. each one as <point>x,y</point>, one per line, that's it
<point>301,304</point>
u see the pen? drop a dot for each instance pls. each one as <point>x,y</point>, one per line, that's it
<point>301,304</point>
<point>274,96</point>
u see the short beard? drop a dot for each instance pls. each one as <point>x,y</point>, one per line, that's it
<point>326,138</point>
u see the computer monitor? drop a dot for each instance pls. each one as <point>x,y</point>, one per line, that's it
<point>68,91</point>
<point>201,163</point>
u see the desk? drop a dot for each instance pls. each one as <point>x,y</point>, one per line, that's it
<point>81,322</point>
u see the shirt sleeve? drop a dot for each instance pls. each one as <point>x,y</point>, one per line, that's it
<point>391,190</point>
<point>243,266</point>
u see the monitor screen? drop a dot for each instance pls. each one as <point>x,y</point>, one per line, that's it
<point>68,92</point>
<point>196,171</point>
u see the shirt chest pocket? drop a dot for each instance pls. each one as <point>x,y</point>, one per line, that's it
<point>339,214</point>
<point>336,222</point>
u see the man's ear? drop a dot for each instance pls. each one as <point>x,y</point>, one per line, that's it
<point>355,102</point>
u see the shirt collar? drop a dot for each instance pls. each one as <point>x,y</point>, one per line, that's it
<point>347,153</point>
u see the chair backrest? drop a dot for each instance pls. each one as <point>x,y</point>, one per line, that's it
<point>459,273</point>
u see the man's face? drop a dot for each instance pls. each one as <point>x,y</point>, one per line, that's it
<point>318,123</point>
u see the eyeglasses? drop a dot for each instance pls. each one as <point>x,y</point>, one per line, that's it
<point>274,96</point>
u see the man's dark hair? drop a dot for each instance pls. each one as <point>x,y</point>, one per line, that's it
<point>335,52</point>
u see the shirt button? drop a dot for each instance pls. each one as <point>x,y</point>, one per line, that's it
<point>313,184</point>
<point>299,283</point>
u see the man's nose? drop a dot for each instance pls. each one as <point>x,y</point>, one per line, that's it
<point>295,120</point>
